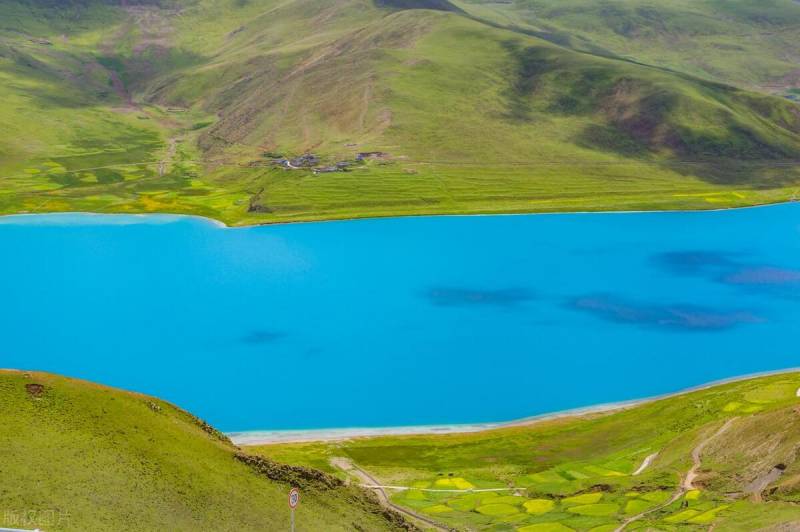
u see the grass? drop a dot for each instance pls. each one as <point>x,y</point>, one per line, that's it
<point>476,118</point>
<point>681,517</point>
<point>587,498</point>
<point>453,483</point>
<point>512,500</point>
<point>562,465</point>
<point>595,510</point>
<point>437,509</point>
<point>711,39</point>
<point>497,509</point>
<point>79,456</point>
<point>545,527</point>
<point>538,506</point>
<point>636,506</point>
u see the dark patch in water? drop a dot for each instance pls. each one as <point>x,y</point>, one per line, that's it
<point>677,316</point>
<point>699,262</point>
<point>462,297</point>
<point>262,337</point>
<point>762,275</point>
<point>730,269</point>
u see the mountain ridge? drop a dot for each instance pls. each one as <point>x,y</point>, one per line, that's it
<point>470,116</point>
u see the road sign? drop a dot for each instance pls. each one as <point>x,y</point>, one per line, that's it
<point>294,498</point>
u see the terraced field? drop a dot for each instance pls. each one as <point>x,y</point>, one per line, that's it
<point>586,473</point>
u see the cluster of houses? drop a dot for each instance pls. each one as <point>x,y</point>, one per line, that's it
<point>312,161</point>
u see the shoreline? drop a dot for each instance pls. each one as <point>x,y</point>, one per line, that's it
<point>222,225</point>
<point>277,437</point>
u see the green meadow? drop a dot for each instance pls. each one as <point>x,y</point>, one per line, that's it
<point>181,106</point>
<point>577,473</point>
<point>79,456</point>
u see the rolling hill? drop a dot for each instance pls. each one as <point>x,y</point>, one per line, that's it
<point>186,106</point>
<point>724,457</point>
<point>713,39</point>
<point>79,456</point>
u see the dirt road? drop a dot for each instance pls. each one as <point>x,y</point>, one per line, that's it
<point>687,483</point>
<point>349,467</point>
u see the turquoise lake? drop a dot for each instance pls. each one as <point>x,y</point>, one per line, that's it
<point>410,321</point>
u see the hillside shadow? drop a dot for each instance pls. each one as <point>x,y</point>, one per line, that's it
<point>438,5</point>
<point>531,64</point>
<point>138,70</point>
<point>640,119</point>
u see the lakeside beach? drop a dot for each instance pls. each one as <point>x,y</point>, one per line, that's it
<point>267,437</point>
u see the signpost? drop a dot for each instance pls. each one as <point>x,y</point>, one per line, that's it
<point>294,500</point>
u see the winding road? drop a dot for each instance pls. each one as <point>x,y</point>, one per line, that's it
<point>687,483</point>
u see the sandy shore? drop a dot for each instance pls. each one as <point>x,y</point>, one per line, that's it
<point>269,437</point>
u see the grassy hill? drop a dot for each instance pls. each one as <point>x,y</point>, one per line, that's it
<point>580,473</point>
<point>79,456</point>
<point>713,39</point>
<point>182,105</point>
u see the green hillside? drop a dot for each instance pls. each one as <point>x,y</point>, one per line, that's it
<point>79,456</point>
<point>186,105</point>
<point>580,473</point>
<point>748,43</point>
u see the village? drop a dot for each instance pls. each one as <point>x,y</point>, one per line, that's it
<point>313,162</point>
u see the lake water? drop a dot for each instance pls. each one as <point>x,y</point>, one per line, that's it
<point>407,321</point>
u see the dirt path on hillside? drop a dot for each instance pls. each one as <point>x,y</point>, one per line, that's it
<point>172,147</point>
<point>691,475</point>
<point>349,467</point>
<point>687,483</point>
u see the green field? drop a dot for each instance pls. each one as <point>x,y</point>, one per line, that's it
<point>179,106</point>
<point>577,473</point>
<point>78,456</point>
